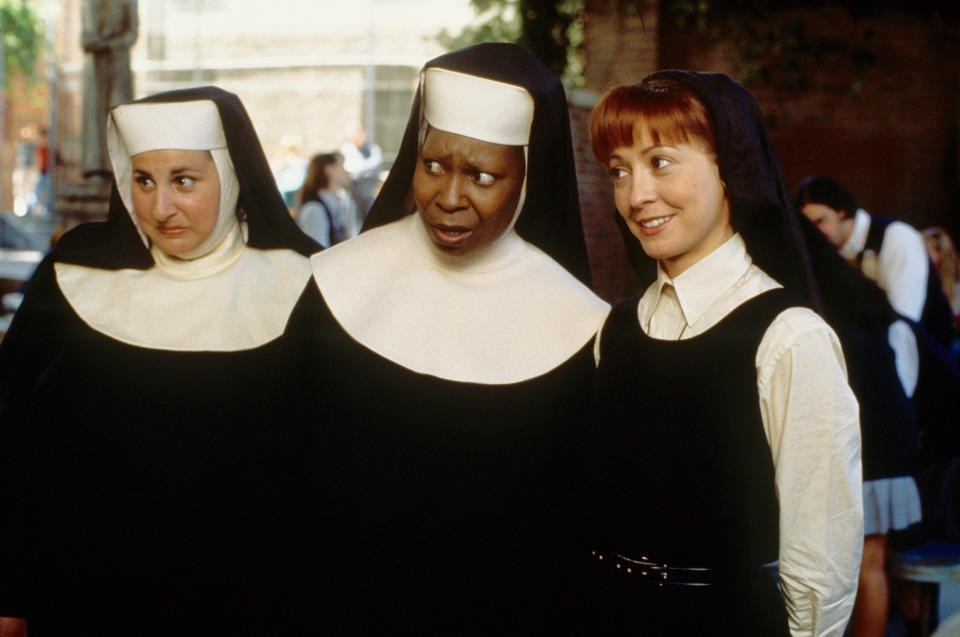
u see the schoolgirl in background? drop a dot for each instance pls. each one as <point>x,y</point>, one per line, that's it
<point>326,209</point>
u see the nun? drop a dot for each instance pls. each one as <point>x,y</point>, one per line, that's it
<point>450,349</point>
<point>146,485</point>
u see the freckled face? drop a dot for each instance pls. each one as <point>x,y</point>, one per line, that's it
<point>672,199</point>
<point>466,190</point>
<point>176,197</point>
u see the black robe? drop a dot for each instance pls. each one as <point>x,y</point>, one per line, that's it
<point>155,486</point>
<point>147,491</point>
<point>439,501</point>
<point>440,504</point>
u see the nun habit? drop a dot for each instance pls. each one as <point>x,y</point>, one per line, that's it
<point>451,385</point>
<point>148,488</point>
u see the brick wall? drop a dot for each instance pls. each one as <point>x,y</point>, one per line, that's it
<point>620,45</point>
<point>613,279</point>
<point>895,143</point>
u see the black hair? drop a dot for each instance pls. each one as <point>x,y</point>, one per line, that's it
<point>828,192</point>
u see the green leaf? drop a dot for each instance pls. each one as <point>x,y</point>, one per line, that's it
<point>23,39</point>
<point>503,21</point>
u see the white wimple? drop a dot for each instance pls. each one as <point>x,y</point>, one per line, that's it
<point>506,315</point>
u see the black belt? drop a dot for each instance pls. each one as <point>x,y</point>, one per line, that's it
<point>660,574</point>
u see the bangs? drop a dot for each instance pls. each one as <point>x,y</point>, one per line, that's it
<point>667,109</point>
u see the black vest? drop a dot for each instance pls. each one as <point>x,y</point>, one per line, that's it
<point>678,467</point>
<point>937,317</point>
<point>888,428</point>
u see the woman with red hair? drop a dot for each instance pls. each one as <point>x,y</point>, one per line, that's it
<point>724,435</point>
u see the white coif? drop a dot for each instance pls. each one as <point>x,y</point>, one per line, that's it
<point>476,107</point>
<point>506,315</point>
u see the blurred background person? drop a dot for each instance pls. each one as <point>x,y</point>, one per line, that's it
<point>327,211</point>
<point>290,169</point>
<point>946,261</point>
<point>363,159</point>
<point>889,252</point>
<point>43,190</point>
<point>861,315</point>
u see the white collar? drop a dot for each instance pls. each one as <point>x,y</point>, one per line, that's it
<point>508,314</point>
<point>857,240</point>
<point>220,258</point>
<point>240,300</point>
<point>699,286</point>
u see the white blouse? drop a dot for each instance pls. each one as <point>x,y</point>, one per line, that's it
<point>900,269</point>
<point>811,421</point>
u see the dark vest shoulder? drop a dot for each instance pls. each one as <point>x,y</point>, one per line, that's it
<point>678,461</point>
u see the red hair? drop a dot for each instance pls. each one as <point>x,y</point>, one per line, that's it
<point>667,109</point>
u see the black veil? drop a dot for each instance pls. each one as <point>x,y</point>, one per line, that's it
<point>550,218</point>
<point>115,243</point>
<point>761,206</point>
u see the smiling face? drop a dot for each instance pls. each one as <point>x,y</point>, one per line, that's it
<point>671,196</point>
<point>466,190</point>
<point>176,197</point>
